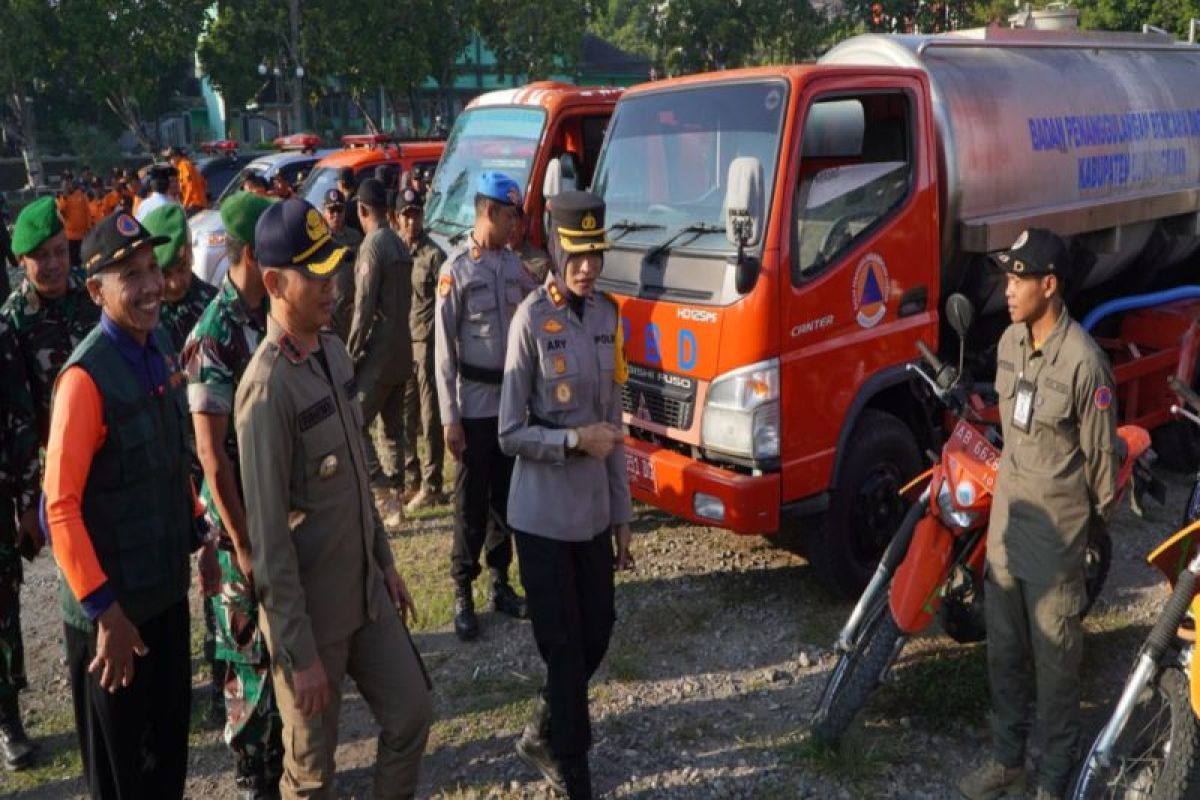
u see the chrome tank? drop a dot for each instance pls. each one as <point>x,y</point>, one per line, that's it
<point>1093,135</point>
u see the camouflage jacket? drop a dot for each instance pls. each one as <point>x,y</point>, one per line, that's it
<point>177,319</point>
<point>47,332</point>
<point>20,474</point>
<point>214,358</point>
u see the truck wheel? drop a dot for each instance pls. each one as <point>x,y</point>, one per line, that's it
<point>866,508</point>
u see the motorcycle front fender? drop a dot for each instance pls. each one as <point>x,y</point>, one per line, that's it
<point>1194,666</point>
<point>915,594</point>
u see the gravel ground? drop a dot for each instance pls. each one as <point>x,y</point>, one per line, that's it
<point>721,649</point>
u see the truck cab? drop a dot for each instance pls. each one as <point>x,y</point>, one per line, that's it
<point>546,136</point>
<point>783,237</point>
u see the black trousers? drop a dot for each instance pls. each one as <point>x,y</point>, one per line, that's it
<point>569,588</point>
<point>480,493</point>
<point>134,742</point>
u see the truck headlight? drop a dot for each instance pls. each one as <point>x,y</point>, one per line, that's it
<point>741,414</point>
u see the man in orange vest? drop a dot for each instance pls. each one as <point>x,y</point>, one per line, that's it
<point>193,190</point>
<point>76,214</point>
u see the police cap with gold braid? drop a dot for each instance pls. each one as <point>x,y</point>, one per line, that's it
<point>294,235</point>
<point>578,219</point>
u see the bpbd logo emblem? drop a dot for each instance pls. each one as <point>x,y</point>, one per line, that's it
<point>870,290</point>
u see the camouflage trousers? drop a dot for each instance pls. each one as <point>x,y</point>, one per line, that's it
<point>253,730</point>
<point>12,649</point>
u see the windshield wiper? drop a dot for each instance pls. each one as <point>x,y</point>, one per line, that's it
<point>626,227</point>
<point>697,229</point>
<point>458,234</point>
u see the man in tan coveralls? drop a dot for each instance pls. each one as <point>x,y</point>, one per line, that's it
<point>379,343</point>
<point>330,597</point>
<point>1057,478</point>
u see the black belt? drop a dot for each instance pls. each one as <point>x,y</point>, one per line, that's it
<point>495,377</point>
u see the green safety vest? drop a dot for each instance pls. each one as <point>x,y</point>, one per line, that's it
<point>137,504</point>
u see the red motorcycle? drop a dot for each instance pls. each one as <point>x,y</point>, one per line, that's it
<point>934,564</point>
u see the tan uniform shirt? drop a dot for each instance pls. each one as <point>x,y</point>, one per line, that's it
<point>427,262</point>
<point>343,282</point>
<point>379,341</point>
<point>559,374</point>
<point>1062,473</point>
<point>478,293</point>
<point>319,546</point>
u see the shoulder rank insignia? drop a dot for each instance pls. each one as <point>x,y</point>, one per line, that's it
<point>328,468</point>
<point>445,284</point>
<point>552,326</point>
<point>476,253</point>
<point>556,295</point>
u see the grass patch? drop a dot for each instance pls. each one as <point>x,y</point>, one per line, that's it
<point>860,760</point>
<point>939,685</point>
<point>57,760</point>
<point>503,720</point>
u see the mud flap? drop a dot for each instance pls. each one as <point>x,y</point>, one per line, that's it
<point>915,594</point>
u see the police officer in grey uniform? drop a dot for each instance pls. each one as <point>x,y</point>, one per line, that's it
<point>1058,478</point>
<point>560,416</point>
<point>479,288</point>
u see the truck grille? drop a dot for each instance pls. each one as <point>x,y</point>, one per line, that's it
<point>659,397</point>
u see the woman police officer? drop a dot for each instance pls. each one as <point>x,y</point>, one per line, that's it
<point>560,416</point>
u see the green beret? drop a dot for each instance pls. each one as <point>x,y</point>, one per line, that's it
<point>168,220</point>
<point>36,223</point>
<point>240,213</point>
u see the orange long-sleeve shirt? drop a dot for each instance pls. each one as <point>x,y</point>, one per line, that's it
<point>193,188</point>
<point>77,431</point>
<point>76,214</point>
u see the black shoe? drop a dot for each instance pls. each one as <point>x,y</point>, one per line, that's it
<point>578,777</point>
<point>216,705</point>
<point>254,786</point>
<point>466,624</point>
<point>506,601</point>
<point>534,746</point>
<point>15,747</point>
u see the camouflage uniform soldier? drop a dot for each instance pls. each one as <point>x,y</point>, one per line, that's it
<point>184,296</point>
<point>215,356</point>
<point>50,310</point>
<point>18,496</point>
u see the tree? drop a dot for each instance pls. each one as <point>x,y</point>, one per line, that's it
<point>26,70</point>
<point>128,55</point>
<point>233,42</point>
<point>534,39</point>
<point>446,33</point>
<point>1173,16</point>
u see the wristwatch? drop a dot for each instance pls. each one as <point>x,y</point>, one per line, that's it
<point>572,439</point>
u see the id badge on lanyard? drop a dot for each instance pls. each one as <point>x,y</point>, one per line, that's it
<point>1022,416</point>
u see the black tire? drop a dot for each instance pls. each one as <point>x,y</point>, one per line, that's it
<point>866,508</point>
<point>857,674</point>
<point>1157,753</point>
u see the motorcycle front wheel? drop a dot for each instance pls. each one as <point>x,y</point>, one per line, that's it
<point>858,673</point>
<point>1156,755</point>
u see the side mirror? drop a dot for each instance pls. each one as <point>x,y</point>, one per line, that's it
<point>960,313</point>
<point>744,202</point>
<point>561,176</point>
<point>552,184</point>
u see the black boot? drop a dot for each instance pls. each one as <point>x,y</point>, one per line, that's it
<point>466,624</point>
<point>216,696</point>
<point>534,746</point>
<point>15,747</point>
<point>578,777</point>
<point>504,599</point>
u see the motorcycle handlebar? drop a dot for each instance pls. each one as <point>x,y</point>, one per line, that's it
<point>930,357</point>
<point>1185,393</point>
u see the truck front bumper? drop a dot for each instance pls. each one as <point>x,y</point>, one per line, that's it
<point>702,493</point>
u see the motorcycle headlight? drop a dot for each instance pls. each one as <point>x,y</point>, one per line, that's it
<point>949,513</point>
<point>741,413</point>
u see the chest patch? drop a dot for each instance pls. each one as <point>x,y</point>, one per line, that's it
<point>555,344</point>
<point>552,326</point>
<point>317,412</point>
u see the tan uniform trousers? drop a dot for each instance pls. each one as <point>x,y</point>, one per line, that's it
<point>382,661</point>
<point>423,420</point>
<point>1035,638</point>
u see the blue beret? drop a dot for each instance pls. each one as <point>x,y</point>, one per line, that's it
<point>499,187</point>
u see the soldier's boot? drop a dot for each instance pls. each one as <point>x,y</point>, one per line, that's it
<point>992,780</point>
<point>578,777</point>
<point>249,779</point>
<point>534,746</point>
<point>504,599</point>
<point>15,747</point>
<point>466,624</point>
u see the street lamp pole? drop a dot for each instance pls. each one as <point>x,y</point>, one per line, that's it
<point>298,71</point>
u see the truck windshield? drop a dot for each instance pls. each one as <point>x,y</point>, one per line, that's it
<point>666,162</point>
<point>318,182</point>
<point>500,139</point>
